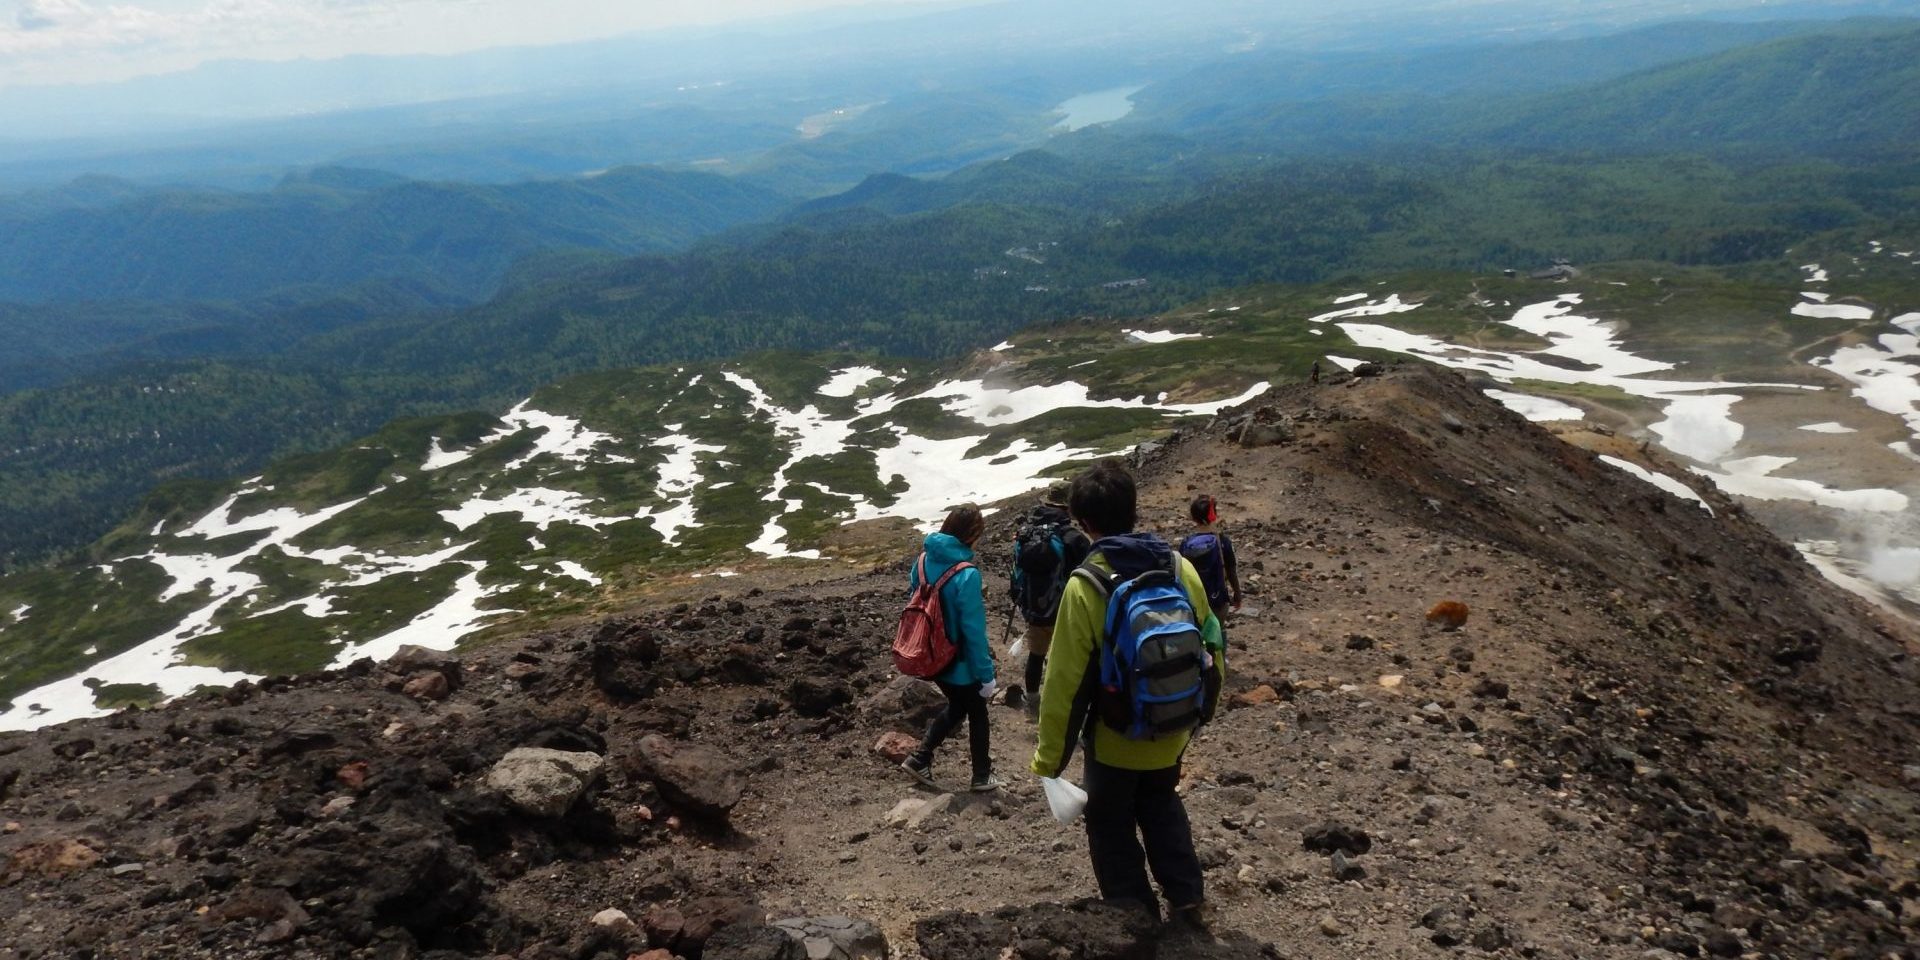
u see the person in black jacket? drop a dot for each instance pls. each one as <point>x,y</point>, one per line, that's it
<point>1046,549</point>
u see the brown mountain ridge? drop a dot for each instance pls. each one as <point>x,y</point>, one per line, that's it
<point>1659,734</point>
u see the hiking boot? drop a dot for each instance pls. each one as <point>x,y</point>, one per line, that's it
<point>987,784</point>
<point>1193,918</point>
<point>920,770</point>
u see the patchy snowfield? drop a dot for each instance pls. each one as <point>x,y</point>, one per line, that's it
<point>1698,415</point>
<point>1699,423</point>
<point>569,479</point>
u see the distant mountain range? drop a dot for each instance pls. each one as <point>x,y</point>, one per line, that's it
<point>333,227</point>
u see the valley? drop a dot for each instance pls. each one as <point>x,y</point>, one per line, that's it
<point>446,531</point>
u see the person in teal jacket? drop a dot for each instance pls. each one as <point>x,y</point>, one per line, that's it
<point>969,682</point>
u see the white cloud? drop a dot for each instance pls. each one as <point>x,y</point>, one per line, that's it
<point>65,41</point>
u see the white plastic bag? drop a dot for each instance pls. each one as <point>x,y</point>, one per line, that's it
<point>1064,798</point>
<point>1019,649</point>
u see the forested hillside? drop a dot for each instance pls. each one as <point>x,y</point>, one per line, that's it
<point>1842,86</point>
<point>336,227</point>
<point>1021,249</point>
<point>1817,93</point>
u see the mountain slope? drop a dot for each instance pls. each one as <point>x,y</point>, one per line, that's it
<point>1836,91</point>
<point>1233,89</point>
<point>1819,93</point>
<point>336,227</point>
<point>1647,702</point>
<point>433,529</point>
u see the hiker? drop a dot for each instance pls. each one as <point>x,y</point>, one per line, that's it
<point>1315,378</point>
<point>1046,549</point>
<point>1133,746</point>
<point>969,681</point>
<point>1211,553</point>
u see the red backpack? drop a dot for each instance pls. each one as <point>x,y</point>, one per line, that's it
<point>921,647</point>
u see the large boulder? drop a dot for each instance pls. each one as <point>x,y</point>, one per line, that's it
<point>543,782</point>
<point>832,938</point>
<point>411,661</point>
<point>753,941</point>
<point>699,781</point>
<point>812,697</point>
<point>686,930</point>
<point>906,701</point>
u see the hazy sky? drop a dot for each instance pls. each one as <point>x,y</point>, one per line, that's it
<point>65,41</point>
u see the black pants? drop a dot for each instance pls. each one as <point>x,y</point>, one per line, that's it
<point>964,705</point>
<point>1125,807</point>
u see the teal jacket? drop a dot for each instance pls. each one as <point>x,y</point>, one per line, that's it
<point>964,605</point>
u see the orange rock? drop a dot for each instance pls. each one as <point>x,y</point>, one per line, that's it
<point>1258,696</point>
<point>353,776</point>
<point>53,858</point>
<point>894,746</point>
<point>1448,615</point>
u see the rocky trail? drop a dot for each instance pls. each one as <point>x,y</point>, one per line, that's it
<point>1659,734</point>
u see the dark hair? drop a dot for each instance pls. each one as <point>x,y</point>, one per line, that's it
<point>964,522</point>
<point>1202,510</point>
<point>1103,497</point>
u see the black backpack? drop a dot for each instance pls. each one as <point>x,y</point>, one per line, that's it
<point>1040,569</point>
<point>1208,554</point>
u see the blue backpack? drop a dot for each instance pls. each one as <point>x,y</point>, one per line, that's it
<point>1154,663</point>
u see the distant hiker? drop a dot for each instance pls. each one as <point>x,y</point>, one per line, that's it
<point>1316,372</point>
<point>1211,553</point>
<point>968,681</point>
<point>1046,549</point>
<point>1135,650</point>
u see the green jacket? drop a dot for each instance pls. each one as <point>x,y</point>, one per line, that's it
<point>1073,674</point>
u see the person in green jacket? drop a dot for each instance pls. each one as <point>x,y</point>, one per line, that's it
<point>1130,784</point>
<point>970,681</point>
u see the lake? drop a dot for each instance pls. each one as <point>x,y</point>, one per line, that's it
<point>1102,106</point>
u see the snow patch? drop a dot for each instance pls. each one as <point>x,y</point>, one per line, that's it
<point>561,437</point>
<point>1832,311</point>
<point>439,458</point>
<point>569,568</point>
<point>843,383</point>
<point>1537,409</point>
<point>1886,373</point>
<point>1161,336</point>
<point>1661,480</point>
<point>437,629</point>
<point>1828,427</point>
<point>1696,425</point>
<point>540,506</point>
<point>1754,477</point>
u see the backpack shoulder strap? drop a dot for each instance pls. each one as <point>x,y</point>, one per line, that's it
<point>1097,578</point>
<point>941,584</point>
<point>920,568</point>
